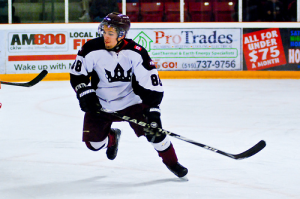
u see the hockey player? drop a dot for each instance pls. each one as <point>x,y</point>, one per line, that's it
<point>122,78</point>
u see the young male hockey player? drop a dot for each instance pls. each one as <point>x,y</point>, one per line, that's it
<point>124,79</point>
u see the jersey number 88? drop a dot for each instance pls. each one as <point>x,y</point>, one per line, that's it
<point>155,80</point>
<point>77,65</point>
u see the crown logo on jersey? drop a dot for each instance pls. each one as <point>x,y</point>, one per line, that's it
<point>119,75</point>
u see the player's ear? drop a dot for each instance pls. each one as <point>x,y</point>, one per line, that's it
<point>120,38</point>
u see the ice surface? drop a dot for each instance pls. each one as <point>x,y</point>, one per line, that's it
<point>42,156</point>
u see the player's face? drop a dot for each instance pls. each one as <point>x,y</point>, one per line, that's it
<point>110,37</point>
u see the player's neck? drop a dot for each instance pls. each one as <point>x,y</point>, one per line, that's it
<point>119,46</point>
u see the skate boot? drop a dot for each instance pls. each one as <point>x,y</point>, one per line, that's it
<point>111,152</point>
<point>179,170</point>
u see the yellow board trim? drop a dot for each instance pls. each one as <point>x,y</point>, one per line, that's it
<point>229,74</point>
<point>174,75</point>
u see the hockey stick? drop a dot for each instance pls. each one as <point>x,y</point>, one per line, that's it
<point>33,82</point>
<point>246,154</point>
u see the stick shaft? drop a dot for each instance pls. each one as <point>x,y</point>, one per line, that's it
<point>250,152</point>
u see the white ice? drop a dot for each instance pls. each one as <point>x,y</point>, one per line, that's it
<point>42,155</point>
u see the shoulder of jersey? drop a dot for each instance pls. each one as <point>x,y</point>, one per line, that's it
<point>147,61</point>
<point>92,45</point>
<point>136,47</point>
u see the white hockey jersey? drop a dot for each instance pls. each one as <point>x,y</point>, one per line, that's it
<point>121,77</point>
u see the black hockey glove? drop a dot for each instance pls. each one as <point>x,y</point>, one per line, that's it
<point>153,118</point>
<point>88,99</point>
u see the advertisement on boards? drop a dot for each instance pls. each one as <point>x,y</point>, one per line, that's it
<point>293,47</point>
<point>2,54</point>
<point>171,49</point>
<point>55,51</point>
<point>271,49</point>
<point>192,49</point>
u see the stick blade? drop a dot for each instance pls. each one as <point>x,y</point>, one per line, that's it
<point>38,78</point>
<point>33,82</point>
<point>252,151</point>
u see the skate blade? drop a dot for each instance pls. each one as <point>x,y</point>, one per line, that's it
<point>184,178</point>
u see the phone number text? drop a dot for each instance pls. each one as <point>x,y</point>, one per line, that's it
<point>217,64</point>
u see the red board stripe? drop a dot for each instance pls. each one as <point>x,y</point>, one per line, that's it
<point>40,57</point>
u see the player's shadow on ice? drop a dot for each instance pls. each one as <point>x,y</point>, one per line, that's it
<point>90,186</point>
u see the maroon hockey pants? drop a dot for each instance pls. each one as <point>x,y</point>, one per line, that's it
<point>97,127</point>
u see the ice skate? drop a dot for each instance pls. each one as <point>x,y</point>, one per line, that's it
<point>179,170</point>
<point>112,151</point>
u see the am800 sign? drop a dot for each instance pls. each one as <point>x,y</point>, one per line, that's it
<point>37,42</point>
<point>38,39</point>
